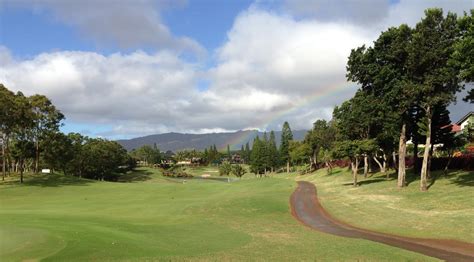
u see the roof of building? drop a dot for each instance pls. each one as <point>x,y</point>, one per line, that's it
<point>455,128</point>
<point>465,117</point>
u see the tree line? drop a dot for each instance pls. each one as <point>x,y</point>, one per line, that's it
<point>31,140</point>
<point>407,80</point>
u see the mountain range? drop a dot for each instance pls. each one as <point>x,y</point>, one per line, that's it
<point>179,141</point>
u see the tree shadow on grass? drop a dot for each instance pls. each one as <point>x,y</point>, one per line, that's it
<point>370,180</point>
<point>135,176</point>
<point>334,172</point>
<point>466,179</point>
<point>50,180</point>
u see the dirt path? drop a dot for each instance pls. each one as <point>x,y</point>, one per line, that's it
<point>306,208</point>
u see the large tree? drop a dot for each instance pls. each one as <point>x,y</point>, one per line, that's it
<point>435,81</point>
<point>463,56</point>
<point>257,158</point>
<point>319,138</point>
<point>22,131</point>
<point>286,137</point>
<point>46,119</point>
<point>273,159</point>
<point>382,71</point>
<point>7,122</point>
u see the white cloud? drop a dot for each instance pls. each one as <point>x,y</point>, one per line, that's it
<point>275,63</point>
<point>272,67</point>
<point>126,24</point>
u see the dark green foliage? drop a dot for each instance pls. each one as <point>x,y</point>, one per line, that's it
<point>238,170</point>
<point>286,137</point>
<point>247,153</point>
<point>257,159</point>
<point>29,126</point>
<point>58,151</point>
<point>463,55</point>
<point>149,155</point>
<point>273,156</point>
<point>319,138</point>
<point>300,152</point>
<point>225,168</point>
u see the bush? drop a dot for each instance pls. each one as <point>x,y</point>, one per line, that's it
<point>225,168</point>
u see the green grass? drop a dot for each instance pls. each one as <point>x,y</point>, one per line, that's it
<point>56,218</point>
<point>445,211</point>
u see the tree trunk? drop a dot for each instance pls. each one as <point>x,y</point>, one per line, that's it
<point>355,167</point>
<point>382,167</point>
<point>4,157</point>
<point>37,157</point>
<point>366,165</point>
<point>329,168</point>
<point>450,156</point>
<point>385,163</point>
<point>402,148</point>
<point>429,161</point>
<point>288,166</point>
<point>394,159</point>
<point>21,171</point>
<point>426,153</point>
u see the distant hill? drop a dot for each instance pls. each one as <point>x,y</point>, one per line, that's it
<point>178,141</point>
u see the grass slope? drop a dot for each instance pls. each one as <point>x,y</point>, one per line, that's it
<point>56,218</point>
<point>445,211</point>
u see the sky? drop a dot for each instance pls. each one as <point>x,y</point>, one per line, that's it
<point>128,68</point>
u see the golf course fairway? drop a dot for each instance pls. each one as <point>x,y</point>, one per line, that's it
<point>57,218</point>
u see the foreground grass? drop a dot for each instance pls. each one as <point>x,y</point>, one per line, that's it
<point>445,211</point>
<point>56,218</point>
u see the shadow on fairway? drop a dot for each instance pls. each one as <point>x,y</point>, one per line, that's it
<point>366,182</point>
<point>466,179</point>
<point>51,180</point>
<point>135,176</point>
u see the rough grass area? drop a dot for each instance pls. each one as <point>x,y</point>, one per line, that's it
<point>56,218</point>
<point>445,211</point>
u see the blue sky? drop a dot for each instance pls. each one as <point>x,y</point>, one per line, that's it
<point>128,68</point>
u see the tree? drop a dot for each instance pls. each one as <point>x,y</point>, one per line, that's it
<point>225,168</point>
<point>229,155</point>
<point>257,159</point>
<point>319,138</point>
<point>103,159</point>
<point>22,130</point>
<point>7,122</point>
<point>300,152</point>
<point>77,163</point>
<point>436,82</point>
<point>382,71</point>
<point>273,159</point>
<point>286,137</point>
<point>238,171</point>
<point>326,156</point>
<point>463,55</point>
<point>152,155</point>
<point>348,149</point>
<point>58,151</point>
<point>46,119</point>
<point>247,153</point>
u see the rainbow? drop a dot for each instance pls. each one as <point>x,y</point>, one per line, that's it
<point>281,115</point>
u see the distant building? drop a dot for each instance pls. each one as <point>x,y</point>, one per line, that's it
<point>465,120</point>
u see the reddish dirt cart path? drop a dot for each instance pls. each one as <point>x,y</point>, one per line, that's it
<point>306,208</point>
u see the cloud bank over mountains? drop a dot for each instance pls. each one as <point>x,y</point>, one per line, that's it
<point>285,62</point>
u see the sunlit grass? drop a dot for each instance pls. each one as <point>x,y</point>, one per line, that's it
<point>445,211</point>
<point>58,218</point>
